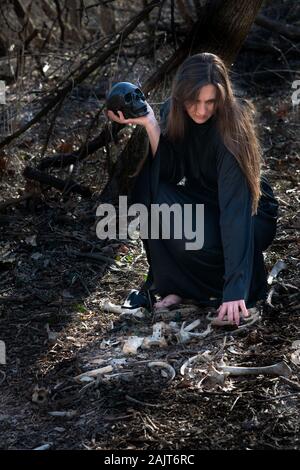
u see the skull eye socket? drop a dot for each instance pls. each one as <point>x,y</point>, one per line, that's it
<point>139,94</point>
<point>128,98</point>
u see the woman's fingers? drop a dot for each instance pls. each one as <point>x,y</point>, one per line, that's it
<point>111,115</point>
<point>222,312</point>
<point>142,120</point>
<point>244,310</point>
<point>236,313</point>
<point>230,312</point>
<point>117,118</point>
<point>123,119</point>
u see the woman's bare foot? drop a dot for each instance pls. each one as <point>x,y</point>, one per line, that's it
<point>167,301</point>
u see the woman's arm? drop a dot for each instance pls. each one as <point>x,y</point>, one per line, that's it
<point>236,224</point>
<point>164,152</point>
<point>149,122</point>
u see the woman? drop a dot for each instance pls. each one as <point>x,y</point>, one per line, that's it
<point>208,139</point>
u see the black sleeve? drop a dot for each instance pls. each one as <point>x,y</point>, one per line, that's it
<point>236,224</point>
<point>170,161</point>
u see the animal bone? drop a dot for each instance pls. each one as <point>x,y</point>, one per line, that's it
<point>185,334</point>
<point>295,344</point>
<point>40,395</point>
<point>157,338</point>
<point>191,326</point>
<point>205,357</point>
<point>91,374</point>
<point>278,266</point>
<point>138,313</point>
<point>123,312</point>
<point>281,368</point>
<point>295,357</point>
<point>52,335</point>
<point>164,365</point>
<point>173,327</point>
<point>63,414</point>
<point>44,446</point>
<point>110,307</point>
<point>132,344</point>
<point>269,298</point>
<point>213,378</point>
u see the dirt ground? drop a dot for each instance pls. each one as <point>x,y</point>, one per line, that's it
<point>53,283</point>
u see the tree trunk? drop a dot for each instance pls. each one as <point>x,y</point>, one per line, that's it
<point>227,25</point>
<point>107,20</point>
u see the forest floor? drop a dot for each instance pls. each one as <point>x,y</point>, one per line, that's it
<point>55,327</point>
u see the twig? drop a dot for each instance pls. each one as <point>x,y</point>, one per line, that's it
<point>3,376</point>
<point>50,130</point>
<point>292,383</point>
<point>144,403</point>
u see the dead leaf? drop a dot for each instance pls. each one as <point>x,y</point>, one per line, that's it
<point>65,147</point>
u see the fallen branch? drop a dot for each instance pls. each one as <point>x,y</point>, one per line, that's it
<point>16,200</point>
<point>289,31</point>
<point>67,186</point>
<point>64,159</point>
<point>12,298</point>
<point>97,257</point>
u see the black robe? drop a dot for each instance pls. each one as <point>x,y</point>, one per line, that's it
<point>230,265</point>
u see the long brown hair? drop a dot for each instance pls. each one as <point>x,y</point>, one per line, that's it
<point>234,117</point>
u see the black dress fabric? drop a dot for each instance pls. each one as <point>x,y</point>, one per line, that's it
<point>201,170</point>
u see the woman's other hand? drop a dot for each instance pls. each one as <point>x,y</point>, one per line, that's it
<point>232,310</point>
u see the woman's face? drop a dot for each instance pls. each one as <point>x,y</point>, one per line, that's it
<point>204,107</point>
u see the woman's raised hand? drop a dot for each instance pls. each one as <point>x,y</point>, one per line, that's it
<point>145,121</point>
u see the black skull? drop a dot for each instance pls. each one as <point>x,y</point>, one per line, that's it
<point>128,98</point>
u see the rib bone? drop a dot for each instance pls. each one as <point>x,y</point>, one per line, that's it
<point>164,365</point>
<point>186,335</point>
